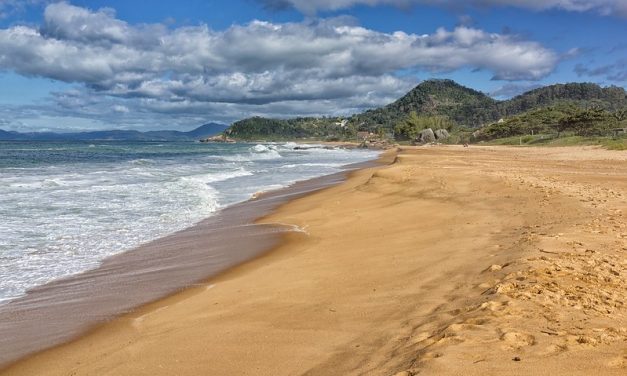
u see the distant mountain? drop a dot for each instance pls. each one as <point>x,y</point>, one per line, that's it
<point>461,105</point>
<point>4,135</point>
<point>203,131</point>
<point>207,130</point>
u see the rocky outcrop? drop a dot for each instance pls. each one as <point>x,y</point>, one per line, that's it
<point>425,136</point>
<point>428,136</point>
<point>376,144</point>
<point>441,134</point>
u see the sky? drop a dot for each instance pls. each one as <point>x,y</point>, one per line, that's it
<point>102,64</point>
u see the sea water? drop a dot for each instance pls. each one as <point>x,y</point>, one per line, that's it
<point>65,206</point>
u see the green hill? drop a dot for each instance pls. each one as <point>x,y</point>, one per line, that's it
<point>556,121</point>
<point>583,95</point>
<point>461,106</point>
<point>258,128</point>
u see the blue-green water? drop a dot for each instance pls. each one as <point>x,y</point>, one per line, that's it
<point>65,206</point>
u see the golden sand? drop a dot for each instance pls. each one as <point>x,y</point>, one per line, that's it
<point>461,261</point>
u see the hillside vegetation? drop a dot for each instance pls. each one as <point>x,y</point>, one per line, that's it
<point>582,109</point>
<point>461,105</point>
<point>258,128</point>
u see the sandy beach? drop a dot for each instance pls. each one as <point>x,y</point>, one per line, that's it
<point>450,260</point>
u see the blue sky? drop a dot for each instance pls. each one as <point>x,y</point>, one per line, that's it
<point>79,65</point>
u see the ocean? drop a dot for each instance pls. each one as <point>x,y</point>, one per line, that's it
<point>66,206</point>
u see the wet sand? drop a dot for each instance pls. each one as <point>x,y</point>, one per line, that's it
<point>64,309</point>
<point>462,261</point>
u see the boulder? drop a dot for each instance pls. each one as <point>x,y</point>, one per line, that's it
<point>441,134</point>
<point>425,136</point>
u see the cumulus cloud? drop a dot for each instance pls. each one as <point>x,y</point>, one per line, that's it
<point>290,67</point>
<point>603,7</point>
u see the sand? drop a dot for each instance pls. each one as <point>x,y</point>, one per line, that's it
<point>461,261</point>
<point>64,309</point>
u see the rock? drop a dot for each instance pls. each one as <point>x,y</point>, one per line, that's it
<point>426,136</point>
<point>376,144</point>
<point>441,134</point>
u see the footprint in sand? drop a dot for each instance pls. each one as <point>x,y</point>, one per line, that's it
<point>404,373</point>
<point>516,340</point>
<point>431,355</point>
<point>618,362</point>
<point>555,349</point>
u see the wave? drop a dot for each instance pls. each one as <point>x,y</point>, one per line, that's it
<point>66,217</point>
<point>217,176</point>
<point>297,165</point>
<point>142,162</point>
<point>255,153</point>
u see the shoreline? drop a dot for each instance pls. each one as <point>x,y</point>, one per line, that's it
<point>63,310</point>
<point>481,260</point>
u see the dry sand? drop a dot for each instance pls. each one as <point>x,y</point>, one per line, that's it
<point>451,260</point>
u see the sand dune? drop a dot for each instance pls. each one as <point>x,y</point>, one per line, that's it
<point>461,261</point>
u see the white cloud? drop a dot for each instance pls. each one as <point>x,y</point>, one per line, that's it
<point>120,108</point>
<point>603,7</point>
<point>290,67</point>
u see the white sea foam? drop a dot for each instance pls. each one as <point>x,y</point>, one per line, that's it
<point>63,218</point>
<point>256,153</point>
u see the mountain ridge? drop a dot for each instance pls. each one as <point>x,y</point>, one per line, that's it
<point>465,107</point>
<point>472,108</point>
<point>205,130</point>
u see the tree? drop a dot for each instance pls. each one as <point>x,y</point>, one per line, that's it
<point>381,133</point>
<point>620,115</point>
<point>566,123</point>
<point>588,122</point>
<point>410,126</point>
